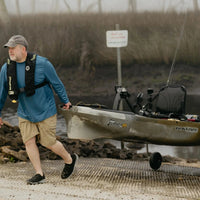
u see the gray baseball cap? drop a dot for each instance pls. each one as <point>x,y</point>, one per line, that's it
<point>15,40</point>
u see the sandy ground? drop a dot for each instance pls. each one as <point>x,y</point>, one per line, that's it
<point>102,179</point>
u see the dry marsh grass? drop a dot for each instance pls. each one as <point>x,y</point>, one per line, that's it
<point>74,40</point>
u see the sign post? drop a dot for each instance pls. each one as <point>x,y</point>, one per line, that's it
<point>118,39</point>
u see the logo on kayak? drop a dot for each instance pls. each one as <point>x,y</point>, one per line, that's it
<point>187,129</point>
<point>113,123</point>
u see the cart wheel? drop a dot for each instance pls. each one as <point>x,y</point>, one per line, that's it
<point>155,161</point>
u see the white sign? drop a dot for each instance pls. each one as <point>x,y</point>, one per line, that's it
<point>117,38</point>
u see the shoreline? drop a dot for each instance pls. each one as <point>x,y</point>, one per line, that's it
<point>12,149</point>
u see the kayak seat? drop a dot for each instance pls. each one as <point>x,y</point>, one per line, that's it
<point>170,101</point>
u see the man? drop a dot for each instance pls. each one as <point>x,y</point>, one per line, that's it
<point>28,79</point>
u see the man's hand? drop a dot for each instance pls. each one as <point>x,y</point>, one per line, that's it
<point>1,122</point>
<point>67,106</point>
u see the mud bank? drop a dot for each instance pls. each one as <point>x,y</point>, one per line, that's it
<point>12,149</point>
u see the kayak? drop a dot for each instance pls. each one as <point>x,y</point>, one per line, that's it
<point>93,123</point>
<point>162,120</point>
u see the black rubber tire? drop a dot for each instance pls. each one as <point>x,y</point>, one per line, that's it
<point>155,161</point>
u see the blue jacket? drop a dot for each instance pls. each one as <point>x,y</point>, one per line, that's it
<point>42,104</point>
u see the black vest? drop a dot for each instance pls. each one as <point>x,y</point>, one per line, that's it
<point>29,89</point>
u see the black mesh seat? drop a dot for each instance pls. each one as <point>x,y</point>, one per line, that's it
<point>171,100</point>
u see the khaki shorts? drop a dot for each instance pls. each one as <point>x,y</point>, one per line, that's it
<point>44,130</point>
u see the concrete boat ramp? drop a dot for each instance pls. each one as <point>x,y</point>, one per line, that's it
<point>101,179</point>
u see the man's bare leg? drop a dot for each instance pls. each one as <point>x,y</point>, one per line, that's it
<point>33,154</point>
<point>59,149</point>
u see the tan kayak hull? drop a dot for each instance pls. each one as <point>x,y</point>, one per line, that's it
<point>89,123</point>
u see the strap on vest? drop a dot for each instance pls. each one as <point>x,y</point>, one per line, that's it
<point>35,86</point>
<point>12,80</point>
<point>30,74</point>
